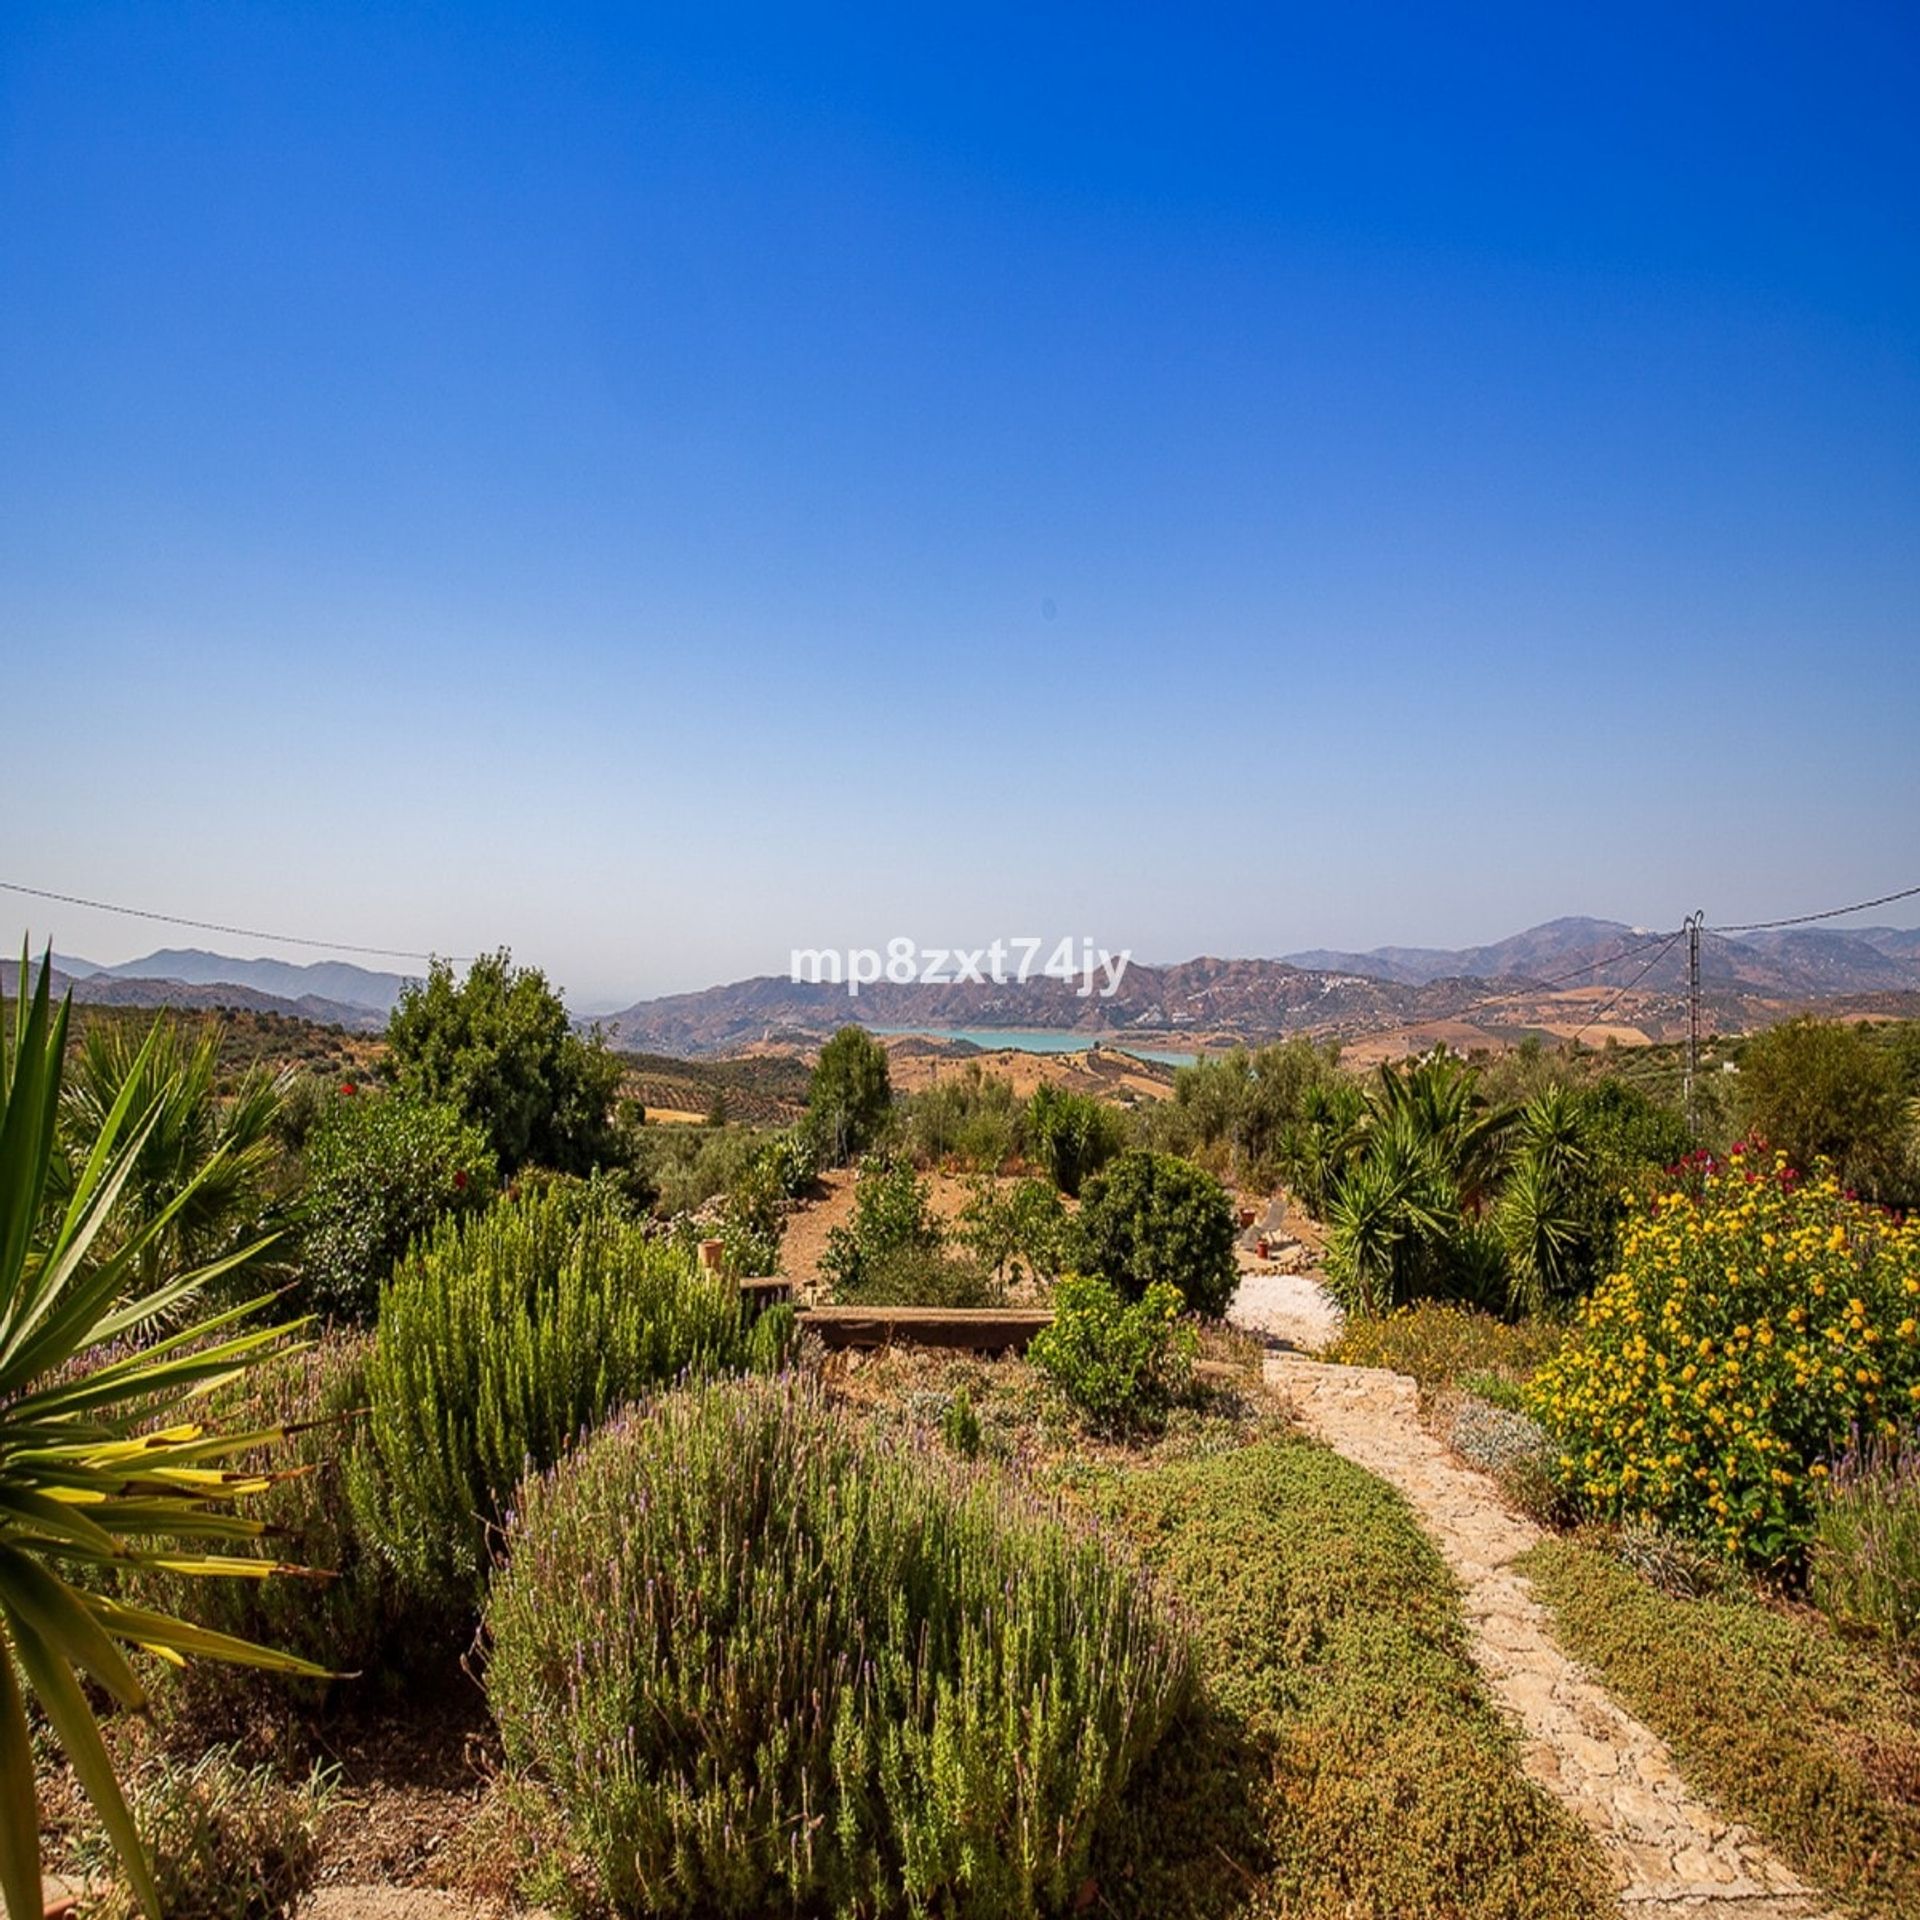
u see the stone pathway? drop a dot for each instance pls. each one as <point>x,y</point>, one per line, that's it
<point>1670,1852</point>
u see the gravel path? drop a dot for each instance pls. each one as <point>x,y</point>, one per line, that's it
<point>1293,1308</point>
<point>1670,1852</point>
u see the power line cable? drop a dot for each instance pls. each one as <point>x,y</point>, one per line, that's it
<point>1621,993</point>
<point>215,926</point>
<point>1807,919</point>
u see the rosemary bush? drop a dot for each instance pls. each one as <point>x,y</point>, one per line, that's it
<point>1866,1541</point>
<point>501,1341</point>
<point>768,1662</point>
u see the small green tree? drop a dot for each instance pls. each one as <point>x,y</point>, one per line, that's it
<point>1151,1219</point>
<point>499,1048</point>
<point>852,1090</point>
<point>1822,1090</point>
<point>892,1215</point>
<point>1017,1230</point>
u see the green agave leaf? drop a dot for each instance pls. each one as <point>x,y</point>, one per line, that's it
<point>19,1811</point>
<point>162,1630</point>
<point>79,1734</point>
<point>39,1600</point>
<point>61,1518</point>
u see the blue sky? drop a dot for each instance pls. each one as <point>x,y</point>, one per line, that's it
<point>655,487</point>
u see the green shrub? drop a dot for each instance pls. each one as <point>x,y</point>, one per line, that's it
<point>972,1117</point>
<point>1756,1323</point>
<point>228,1841</point>
<point>851,1097</point>
<point>915,1276</point>
<point>501,1341</point>
<point>1072,1135</point>
<point>685,1167</point>
<point>1151,1220</point>
<point>1122,1363</point>
<point>960,1424</point>
<point>1823,1090</point>
<point>771,1663</point>
<point>1865,1561</point>
<point>892,1216</point>
<point>1442,1345</point>
<point>381,1170</point>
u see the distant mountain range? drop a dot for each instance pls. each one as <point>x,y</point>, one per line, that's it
<point>1809,960</point>
<point>328,991</point>
<point>1564,975</point>
<point>1556,977</point>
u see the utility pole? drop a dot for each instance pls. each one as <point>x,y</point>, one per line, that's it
<point>1693,1018</point>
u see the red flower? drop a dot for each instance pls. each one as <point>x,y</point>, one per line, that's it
<point>460,1179</point>
<point>347,1086</point>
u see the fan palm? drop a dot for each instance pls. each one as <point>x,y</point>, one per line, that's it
<point>216,1155</point>
<point>99,1468</point>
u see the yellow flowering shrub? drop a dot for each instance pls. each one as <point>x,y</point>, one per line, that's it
<point>1758,1323</point>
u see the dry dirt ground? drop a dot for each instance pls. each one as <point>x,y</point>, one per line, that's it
<point>915,1063</point>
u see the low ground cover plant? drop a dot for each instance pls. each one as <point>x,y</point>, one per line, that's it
<point>1151,1219</point>
<point>1783,1725</point>
<point>1120,1363</point>
<point>229,1840</point>
<point>501,1340</point>
<point>1349,1761</point>
<point>1758,1322</point>
<point>767,1662</point>
<point>1442,1344</point>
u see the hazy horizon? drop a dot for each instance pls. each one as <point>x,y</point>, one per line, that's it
<point>659,491</point>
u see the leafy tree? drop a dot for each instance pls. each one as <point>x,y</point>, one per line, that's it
<point>1823,1090</point>
<point>852,1091</point>
<point>1072,1135</point>
<point>103,1463</point>
<point>1151,1218</point>
<point>498,1048</point>
<point>1248,1103</point>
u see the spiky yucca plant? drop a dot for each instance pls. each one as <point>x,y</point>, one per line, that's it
<point>99,1468</point>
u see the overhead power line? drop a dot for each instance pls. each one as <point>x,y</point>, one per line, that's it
<point>215,926</point>
<point>1807,919</point>
<point>1620,993</point>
